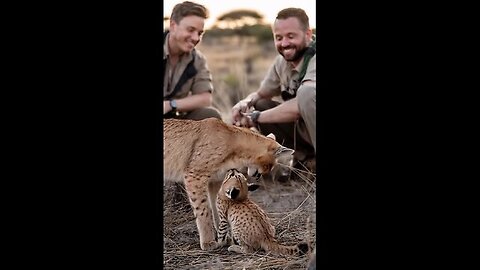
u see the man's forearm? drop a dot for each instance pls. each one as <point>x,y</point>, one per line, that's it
<point>255,96</point>
<point>193,102</point>
<point>283,113</point>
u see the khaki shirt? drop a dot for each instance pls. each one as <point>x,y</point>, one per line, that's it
<point>201,82</point>
<point>283,77</point>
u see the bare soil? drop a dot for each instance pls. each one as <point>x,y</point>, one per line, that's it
<point>290,204</point>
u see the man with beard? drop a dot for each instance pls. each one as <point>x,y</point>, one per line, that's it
<point>292,78</point>
<point>187,82</point>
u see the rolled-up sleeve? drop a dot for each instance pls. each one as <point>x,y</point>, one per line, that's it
<point>202,82</point>
<point>311,72</point>
<point>271,83</point>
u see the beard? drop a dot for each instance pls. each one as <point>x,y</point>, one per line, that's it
<point>299,51</point>
<point>298,54</point>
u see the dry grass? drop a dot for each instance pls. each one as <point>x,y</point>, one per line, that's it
<point>291,205</point>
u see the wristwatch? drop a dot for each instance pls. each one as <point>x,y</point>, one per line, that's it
<point>254,116</point>
<point>173,104</point>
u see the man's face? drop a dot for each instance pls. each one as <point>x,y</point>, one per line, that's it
<point>290,39</point>
<point>187,33</point>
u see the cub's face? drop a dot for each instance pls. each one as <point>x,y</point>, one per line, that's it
<point>235,186</point>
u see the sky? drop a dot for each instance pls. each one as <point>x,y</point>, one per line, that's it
<point>267,8</point>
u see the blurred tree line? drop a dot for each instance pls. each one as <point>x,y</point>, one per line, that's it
<point>241,22</point>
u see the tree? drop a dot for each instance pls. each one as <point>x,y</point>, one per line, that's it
<point>238,18</point>
<point>242,22</point>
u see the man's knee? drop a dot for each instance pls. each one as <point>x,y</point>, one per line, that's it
<point>306,96</point>
<point>211,112</point>
<point>265,104</point>
<point>204,113</point>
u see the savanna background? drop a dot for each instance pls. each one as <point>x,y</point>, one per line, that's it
<point>239,47</point>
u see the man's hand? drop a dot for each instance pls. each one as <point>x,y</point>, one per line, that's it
<point>246,120</point>
<point>238,110</point>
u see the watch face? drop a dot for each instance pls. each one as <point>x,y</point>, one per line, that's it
<point>173,104</point>
<point>255,116</point>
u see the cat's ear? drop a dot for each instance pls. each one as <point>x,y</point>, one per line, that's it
<point>253,172</point>
<point>272,136</point>
<point>254,129</point>
<point>282,151</point>
<point>252,186</point>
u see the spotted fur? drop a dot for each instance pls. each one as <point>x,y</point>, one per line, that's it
<point>249,225</point>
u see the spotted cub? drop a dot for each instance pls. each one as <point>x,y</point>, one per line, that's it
<point>250,226</point>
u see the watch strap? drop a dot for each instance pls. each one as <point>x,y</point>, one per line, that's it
<point>254,116</point>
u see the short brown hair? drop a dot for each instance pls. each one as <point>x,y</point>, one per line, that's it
<point>297,13</point>
<point>188,8</point>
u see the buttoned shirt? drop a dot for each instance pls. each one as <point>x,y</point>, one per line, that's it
<point>200,83</point>
<point>282,76</point>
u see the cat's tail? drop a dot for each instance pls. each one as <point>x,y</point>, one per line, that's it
<point>294,250</point>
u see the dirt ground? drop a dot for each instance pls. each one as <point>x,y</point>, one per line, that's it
<point>290,204</point>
